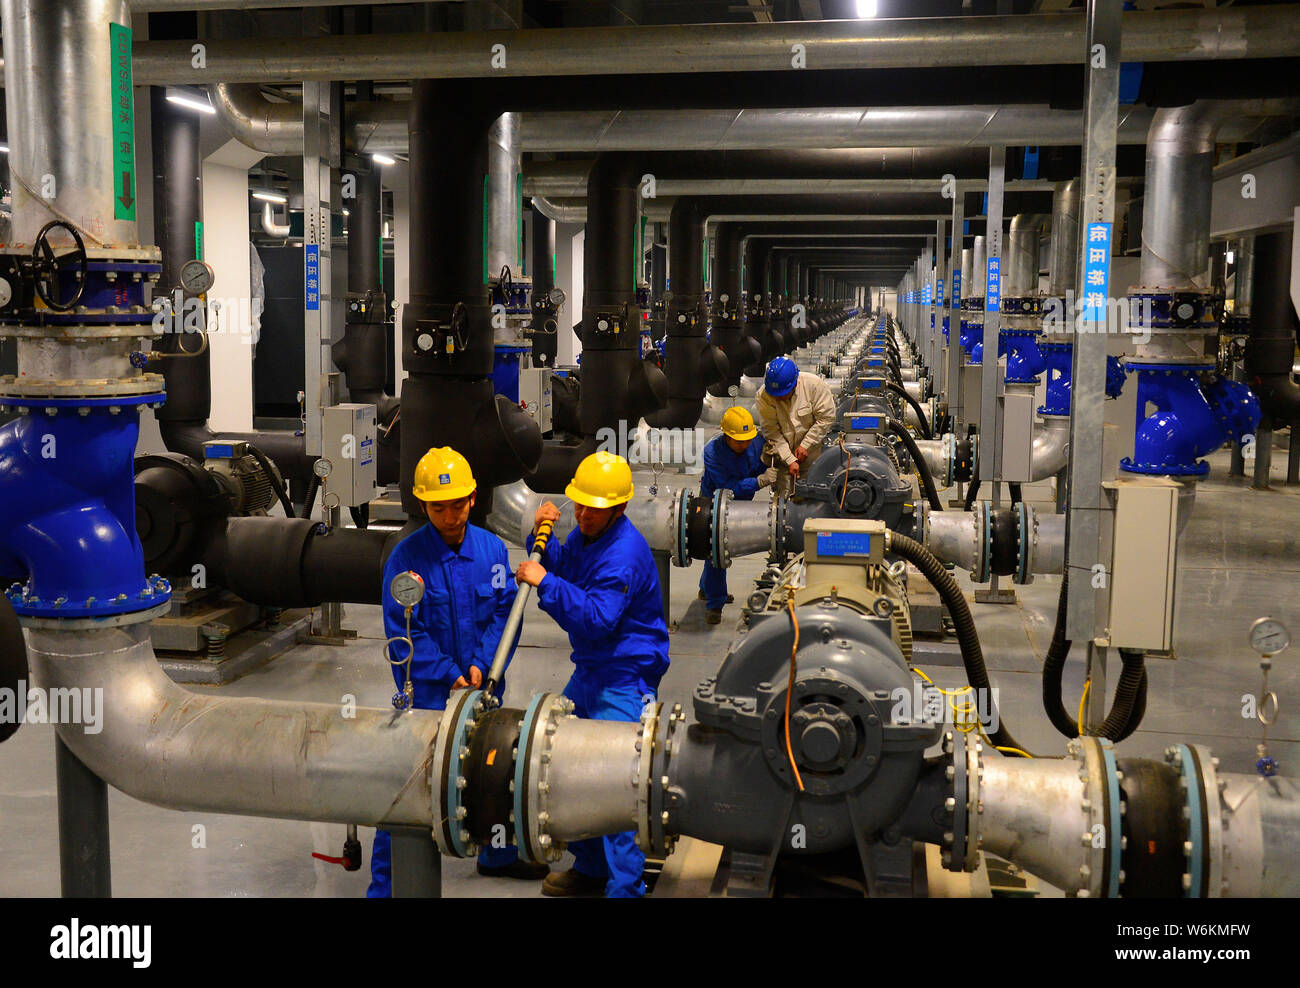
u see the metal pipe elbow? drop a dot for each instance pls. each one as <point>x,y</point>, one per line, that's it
<point>188,751</point>
<point>1051,450</point>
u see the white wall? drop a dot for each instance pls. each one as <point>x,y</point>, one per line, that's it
<point>226,247</point>
<point>570,239</point>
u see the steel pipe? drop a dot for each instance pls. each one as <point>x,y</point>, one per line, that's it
<point>188,751</point>
<point>1176,203</point>
<point>1063,251</point>
<point>1041,39</point>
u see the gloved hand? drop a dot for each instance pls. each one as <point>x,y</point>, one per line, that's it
<point>767,478</point>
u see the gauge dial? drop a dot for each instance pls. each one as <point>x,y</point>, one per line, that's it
<point>407,588</point>
<point>6,292</point>
<point>322,468</point>
<point>197,277</point>
<point>1269,636</point>
<point>556,297</point>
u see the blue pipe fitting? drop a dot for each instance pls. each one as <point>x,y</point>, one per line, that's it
<point>1235,407</point>
<point>1059,360</point>
<point>1185,426</point>
<point>945,330</point>
<point>67,508</point>
<point>1115,377</point>
<point>1026,360</point>
<point>971,333</point>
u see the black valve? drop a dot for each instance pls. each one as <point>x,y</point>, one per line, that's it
<point>49,266</point>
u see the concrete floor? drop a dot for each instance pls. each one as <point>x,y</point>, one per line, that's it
<point>1238,560</point>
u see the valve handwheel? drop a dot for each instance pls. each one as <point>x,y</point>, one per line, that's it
<point>48,265</point>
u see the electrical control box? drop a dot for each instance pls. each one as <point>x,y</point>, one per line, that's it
<point>840,548</point>
<point>348,447</point>
<point>1017,436</point>
<point>535,395</point>
<point>971,381</point>
<point>1142,533</point>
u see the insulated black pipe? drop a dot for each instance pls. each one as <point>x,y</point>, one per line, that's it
<point>692,363</point>
<point>728,308</point>
<point>177,195</point>
<point>183,418</point>
<point>279,562</point>
<point>447,334</point>
<point>1273,327</point>
<point>758,324</point>
<point>364,239</point>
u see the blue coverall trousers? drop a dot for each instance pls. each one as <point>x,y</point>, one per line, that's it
<point>713,582</point>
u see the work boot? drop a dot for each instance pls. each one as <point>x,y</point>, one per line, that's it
<point>572,883</point>
<point>528,872</point>
<point>730,598</point>
<point>714,617</point>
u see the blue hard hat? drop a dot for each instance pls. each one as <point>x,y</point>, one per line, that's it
<point>781,375</point>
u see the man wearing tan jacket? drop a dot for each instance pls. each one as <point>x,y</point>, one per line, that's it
<point>797,411</point>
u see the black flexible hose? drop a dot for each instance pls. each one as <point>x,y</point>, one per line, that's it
<point>1015,493</point>
<point>898,389</point>
<point>1053,667</point>
<point>310,500</point>
<point>1121,722</point>
<point>972,656</point>
<point>1129,704</point>
<point>972,492</point>
<point>277,485</point>
<point>923,468</point>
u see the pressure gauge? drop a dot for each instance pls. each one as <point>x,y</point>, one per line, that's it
<point>322,468</point>
<point>6,293</point>
<point>1268,636</point>
<point>197,277</point>
<point>407,588</point>
<point>556,297</point>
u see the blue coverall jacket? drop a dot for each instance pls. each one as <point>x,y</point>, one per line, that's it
<point>605,593</point>
<point>725,469</point>
<point>457,624</point>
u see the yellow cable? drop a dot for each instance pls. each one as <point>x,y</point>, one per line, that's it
<point>1082,700</point>
<point>1004,748</point>
<point>794,648</point>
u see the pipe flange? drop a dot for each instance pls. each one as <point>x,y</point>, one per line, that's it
<point>719,551</point>
<point>1115,840</point>
<point>953,854</point>
<point>1028,529</point>
<point>645,744</point>
<point>1100,788</point>
<point>1188,762</point>
<point>662,798</point>
<point>522,795</point>
<point>553,708</point>
<point>974,800</point>
<point>94,623</point>
<point>980,518</point>
<point>921,522</point>
<point>1213,788</point>
<point>678,520</point>
<point>450,746</point>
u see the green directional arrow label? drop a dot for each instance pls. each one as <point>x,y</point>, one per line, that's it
<point>123,109</point>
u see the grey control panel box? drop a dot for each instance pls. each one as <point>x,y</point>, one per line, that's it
<point>348,443</point>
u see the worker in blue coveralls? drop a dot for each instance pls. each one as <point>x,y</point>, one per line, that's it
<point>733,461</point>
<point>456,625</point>
<point>602,587</point>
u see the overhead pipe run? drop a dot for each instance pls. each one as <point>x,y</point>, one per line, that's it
<point>1043,39</point>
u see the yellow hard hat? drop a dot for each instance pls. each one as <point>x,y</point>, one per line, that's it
<point>738,423</point>
<point>602,481</point>
<point>443,475</point>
